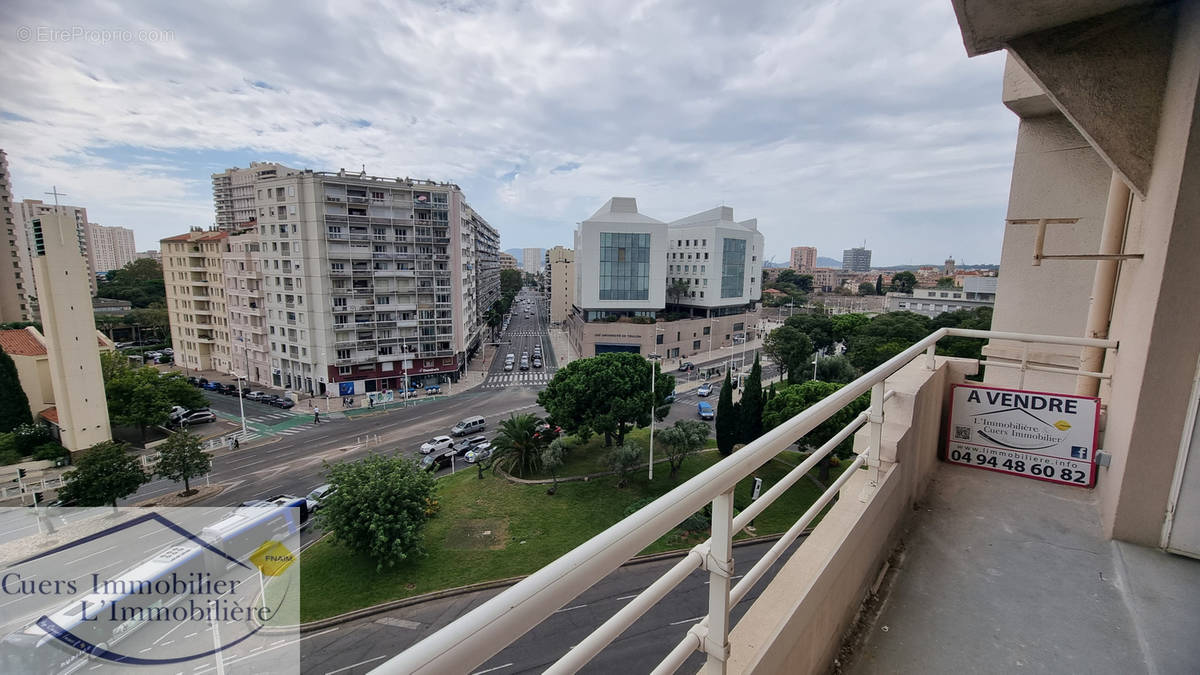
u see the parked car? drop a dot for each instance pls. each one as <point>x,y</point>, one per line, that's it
<point>193,417</point>
<point>704,390</point>
<point>477,441</point>
<point>283,402</point>
<point>153,356</point>
<point>169,352</point>
<point>213,386</point>
<point>436,444</point>
<point>670,397</point>
<point>437,460</point>
<point>194,381</point>
<point>257,396</point>
<point>462,446</point>
<point>686,366</point>
<point>201,382</point>
<point>705,410</point>
<point>229,389</point>
<point>480,453</point>
<point>177,411</point>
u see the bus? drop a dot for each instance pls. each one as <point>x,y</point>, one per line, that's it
<point>34,650</point>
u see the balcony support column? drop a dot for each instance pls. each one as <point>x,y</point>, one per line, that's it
<point>875,420</point>
<point>719,563</point>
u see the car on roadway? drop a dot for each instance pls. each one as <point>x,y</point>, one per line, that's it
<point>282,402</point>
<point>705,410</point>
<point>524,364</point>
<point>437,460</point>
<point>462,446</point>
<point>229,389</point>
<point>318,495</point>
<point>704,390</point>
<point>258,396</point>
<point>670,397</point>
<point>508,366</point>
<point>686,366</point>
<point>479,453</point>
<point>437,444</point>
<point>537,362</point>
<point>193,417</point>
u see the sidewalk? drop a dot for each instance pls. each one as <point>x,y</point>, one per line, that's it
<point>560,347</point>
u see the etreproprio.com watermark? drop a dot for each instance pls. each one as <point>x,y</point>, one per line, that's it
<point>92,35</point>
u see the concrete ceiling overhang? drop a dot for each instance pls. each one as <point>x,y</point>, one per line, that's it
<point>1103,64</point>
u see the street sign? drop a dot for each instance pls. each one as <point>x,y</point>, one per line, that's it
<point>1049,437</point>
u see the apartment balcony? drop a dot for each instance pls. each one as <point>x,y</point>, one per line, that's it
<point>975,571</point>
<point>339,273</point>
<point>336,199</point>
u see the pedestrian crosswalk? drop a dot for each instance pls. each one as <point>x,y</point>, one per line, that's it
<point>271,418</point>
<point>529,378</point>
<point>295,430</point>
<point>524,333</point>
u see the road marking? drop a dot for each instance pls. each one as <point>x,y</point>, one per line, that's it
<point>697,618</point>
<point>250,656</point>
<point>242,466</point>
<point>90,555</point>
<point>627,597</point>
<point>356,665</point>
<point>481,672</point>
<point>567,609</point>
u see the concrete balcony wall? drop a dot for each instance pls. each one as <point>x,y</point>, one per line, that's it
<point>797,624</point>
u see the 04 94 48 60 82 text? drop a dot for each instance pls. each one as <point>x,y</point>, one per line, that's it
<point>1024,464</point>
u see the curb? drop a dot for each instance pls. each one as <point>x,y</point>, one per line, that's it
<point>584,478</point>
<point>488,585</point>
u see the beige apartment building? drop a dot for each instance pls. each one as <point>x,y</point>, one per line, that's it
<point>245,299</point>
<point>194,273</point>
<point>560,282</point>
<point>16,274</point>
<point>804,258</point>
<point>507,261</point>
<point>65,303</point>
<point>111,248</point>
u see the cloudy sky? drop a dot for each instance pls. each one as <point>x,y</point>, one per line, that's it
<point>832,122</point>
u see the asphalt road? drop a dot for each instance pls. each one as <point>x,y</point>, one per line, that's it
<point>526,330</point>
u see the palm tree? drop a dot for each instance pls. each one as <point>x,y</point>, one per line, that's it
<point>518,447</point>
<point>678,288</point>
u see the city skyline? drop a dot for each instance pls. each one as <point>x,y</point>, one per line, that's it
<point>900,151</point>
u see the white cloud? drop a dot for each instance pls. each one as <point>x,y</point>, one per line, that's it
<point>830,122</point>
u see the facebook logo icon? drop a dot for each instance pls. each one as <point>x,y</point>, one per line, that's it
<point>1079,452</point>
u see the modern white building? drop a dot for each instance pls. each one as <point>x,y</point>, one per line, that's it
<point>234,193</point>
<point>625,264</point>
<point>976,292</point>
<point>719,260</point>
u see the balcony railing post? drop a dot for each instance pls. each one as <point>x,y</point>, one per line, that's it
<point>720,569</point>
<point>878,393</point>
<point>930,360</point>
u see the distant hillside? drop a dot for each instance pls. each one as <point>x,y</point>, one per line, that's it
<point>822,261</point>
<point>514,252</point>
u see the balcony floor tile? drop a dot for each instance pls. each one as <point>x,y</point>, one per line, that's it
<point>1002,574</point>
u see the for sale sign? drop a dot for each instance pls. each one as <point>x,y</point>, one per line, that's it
<point>1045,436</point>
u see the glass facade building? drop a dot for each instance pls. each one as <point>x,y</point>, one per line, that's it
<point>625,265</point>
<point>733,267</point>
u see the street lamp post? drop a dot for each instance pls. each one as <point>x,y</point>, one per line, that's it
<point>653,397</point>
<point>242,402</point>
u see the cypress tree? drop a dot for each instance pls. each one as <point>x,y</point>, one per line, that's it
<point>727,419</point>
<point>752,404</point>
<point>879,285</point>
<point>14,405</point>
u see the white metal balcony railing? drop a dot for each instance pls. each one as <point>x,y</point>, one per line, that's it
<point>478,635</point>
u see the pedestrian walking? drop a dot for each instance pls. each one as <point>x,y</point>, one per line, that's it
<point>316,415</point>
<point>236,443</point>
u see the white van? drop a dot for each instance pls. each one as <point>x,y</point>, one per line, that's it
<point>467,426</point>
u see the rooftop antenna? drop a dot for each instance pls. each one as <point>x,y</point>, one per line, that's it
<point>54,191</point>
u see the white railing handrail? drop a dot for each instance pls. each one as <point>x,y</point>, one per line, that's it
<point>473,638</point>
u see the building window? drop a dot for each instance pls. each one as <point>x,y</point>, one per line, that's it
<point>695,344</point>
<point>624,266</point>
<point>708,330</point>
<point>658,339</point>
<point>733,268</point>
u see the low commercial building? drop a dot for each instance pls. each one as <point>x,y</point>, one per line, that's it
<point>976,292</point>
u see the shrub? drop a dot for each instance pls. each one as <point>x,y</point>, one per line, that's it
<point>30,436</point>
<point>50,451</point>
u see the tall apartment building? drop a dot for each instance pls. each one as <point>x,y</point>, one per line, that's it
<point>234,193</point>
<point>35,209</point>
<point>245,299</point>
<point>804,258</point>
<point>625,263</point>
<point>856,259</point>
<point>487,263</point>
<point>193,271</point>
<point>65,303</point>
<point>560,282</point>
<point>111,248</point>
<point>16,272</point>
<point>531,260</point>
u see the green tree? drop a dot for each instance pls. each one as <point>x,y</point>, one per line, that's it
<point>752,404</point>
<point>786,276</point>
<point>140,282</point>
<point>607,394</point>
<point>510,282</point>
<point>879,285</point>
<point>979,318</point>
<point>788,347</point>
<point>946,282</point>
<point>837,369</point>
<point>804,282</point>
<point>182,458</point>
<point>866,288</point>
<point>517,448</point>
<point>794,399</point>
<point>818,327</point>
<point>552,458</point>
<point>904,282</point>
<point>103,474</point>
<point>728,427</point>
<point>623,459</point>
<point>30,436</point>
<point>141,397</point>
<point>379,507</point>
<point>678,289</point>
<point>14,405</point>
<point>685,438</point>
<point>843,326</point>
<point>885,336</point>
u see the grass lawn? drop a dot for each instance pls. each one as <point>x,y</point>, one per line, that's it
<point>491,529</point>
<point>589,458</point>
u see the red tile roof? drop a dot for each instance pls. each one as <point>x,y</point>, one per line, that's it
<point>20,342</point>
<point>50,414</point>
